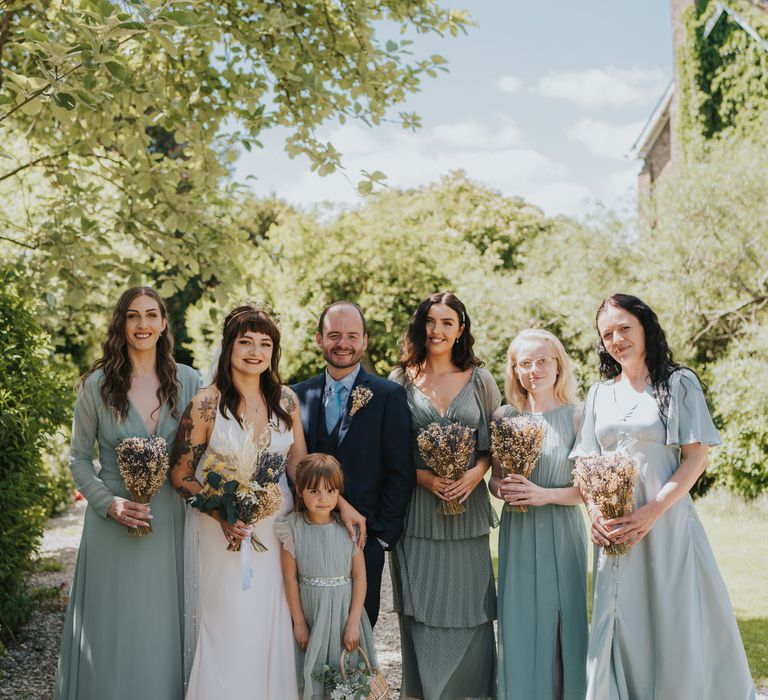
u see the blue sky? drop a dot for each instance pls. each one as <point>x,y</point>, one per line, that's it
<point>543,100</point>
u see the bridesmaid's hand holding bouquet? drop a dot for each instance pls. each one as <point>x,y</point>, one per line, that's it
<point>516,443</point>
<point>607,482</point>
<point>143,464</point>
<point>447,449</point>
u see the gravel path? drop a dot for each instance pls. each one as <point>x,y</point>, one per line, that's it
<point>28,671</point>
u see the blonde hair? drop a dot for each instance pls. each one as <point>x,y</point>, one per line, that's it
<point>315,469</point>
<point>565,385</point>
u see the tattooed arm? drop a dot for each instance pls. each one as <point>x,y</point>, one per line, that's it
<point>299,447</point>
<point>195,428</point>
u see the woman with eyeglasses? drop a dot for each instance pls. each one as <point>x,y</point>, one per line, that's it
<point>542,608</point>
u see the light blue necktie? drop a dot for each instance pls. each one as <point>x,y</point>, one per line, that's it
<point>333,407</point>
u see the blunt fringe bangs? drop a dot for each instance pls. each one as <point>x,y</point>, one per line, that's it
<point>314,469</point>
<point>238,322</point>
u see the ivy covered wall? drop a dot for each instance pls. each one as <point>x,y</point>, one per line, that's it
<point>723,76</point>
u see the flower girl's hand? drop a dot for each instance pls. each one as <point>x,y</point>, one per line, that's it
<point>351,636</point>
<point>129,513</point>
<point>301,632</point>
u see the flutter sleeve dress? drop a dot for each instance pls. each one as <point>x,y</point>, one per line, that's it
<point>323,555</point>
<point>442,575</point>
<point>543,579</point>
<point>662,622</point>
<point>123,633</point>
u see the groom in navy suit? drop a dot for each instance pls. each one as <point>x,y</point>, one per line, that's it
<point>364,421</point>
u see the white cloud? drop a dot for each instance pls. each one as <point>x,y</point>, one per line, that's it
<point>604,139</point>
<point>510,84</point>
<point>471,134</point>
<point>493,154</point>
<point>352,140</point>
<point>513,171</point>
<point>605,87</point>
<point>620,190</point>
<point>563,197</point>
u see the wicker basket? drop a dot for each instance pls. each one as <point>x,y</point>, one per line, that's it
<point>377,682</point>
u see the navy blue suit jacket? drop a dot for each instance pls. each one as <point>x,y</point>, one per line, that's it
<point>373,447</point>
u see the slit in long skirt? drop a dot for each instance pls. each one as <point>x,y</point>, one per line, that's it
<point>558,670</point>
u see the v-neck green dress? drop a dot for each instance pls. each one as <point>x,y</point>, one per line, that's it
<point>123,634</point>
<point>442,575</point>
<point>543,580</point>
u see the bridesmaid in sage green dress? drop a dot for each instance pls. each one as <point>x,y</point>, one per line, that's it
<point>442,574</point>
<point>123,634</point>
<point>542,552</point>
<point>662,622</point>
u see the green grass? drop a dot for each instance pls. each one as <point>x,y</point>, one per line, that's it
<point>738,533</point>
<point>45,565</point>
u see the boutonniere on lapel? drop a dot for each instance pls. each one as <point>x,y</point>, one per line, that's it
<point>360,396</point>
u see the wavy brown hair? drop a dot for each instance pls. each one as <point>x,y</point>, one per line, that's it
<point>237,323</point>
<point>413,351</point>
<point>116,364</point>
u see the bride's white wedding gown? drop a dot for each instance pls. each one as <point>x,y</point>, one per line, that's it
<point>242,640</point>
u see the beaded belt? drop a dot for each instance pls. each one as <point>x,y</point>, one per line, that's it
<point>324,582</point>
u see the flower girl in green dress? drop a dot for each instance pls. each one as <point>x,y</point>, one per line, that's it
<point>324,577</point>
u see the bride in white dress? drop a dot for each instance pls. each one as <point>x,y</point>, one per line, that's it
<point>238,642</point>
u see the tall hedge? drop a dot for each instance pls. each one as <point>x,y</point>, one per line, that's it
<point>34,401</point>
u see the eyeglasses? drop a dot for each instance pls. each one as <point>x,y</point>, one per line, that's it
<point>540,362</point>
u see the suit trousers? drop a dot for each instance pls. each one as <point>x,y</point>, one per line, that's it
<point>374,565</point>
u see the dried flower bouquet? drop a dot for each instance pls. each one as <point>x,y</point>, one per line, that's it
<point>242,484</point>
<point>143,464</point>
<point>516,442</point>
<point>447,449</point>
<point>608,480</point>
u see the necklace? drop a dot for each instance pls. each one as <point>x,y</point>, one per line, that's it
<point>256,409</point>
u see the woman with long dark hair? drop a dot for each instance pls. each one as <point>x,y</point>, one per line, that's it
<point>239,643</point>
<point>441,567</point>
<point>662,622</point>
<point>123,634</point>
